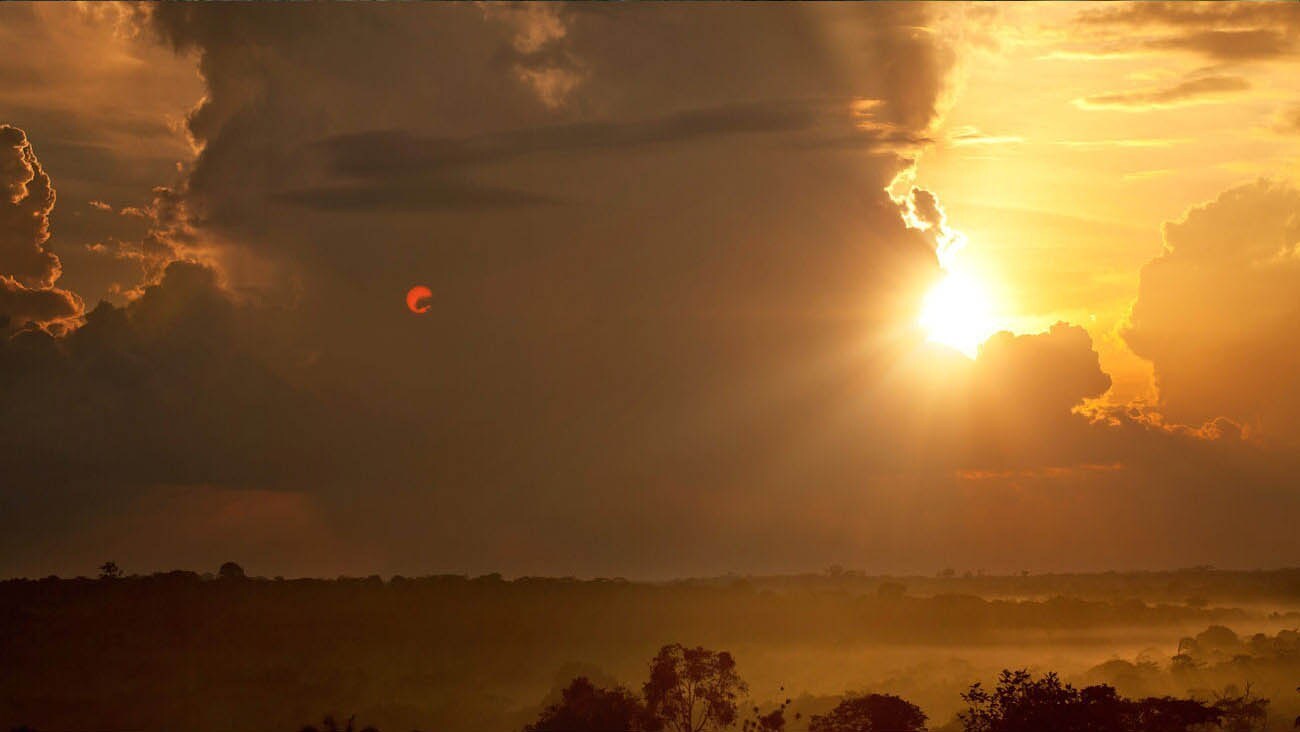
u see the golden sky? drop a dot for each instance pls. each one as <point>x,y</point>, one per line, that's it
<point>1061,194</point>
<point>714,287</point>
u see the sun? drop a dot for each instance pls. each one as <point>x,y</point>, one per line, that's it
<point>957,313</point>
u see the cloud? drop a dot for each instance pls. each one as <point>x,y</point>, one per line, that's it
<point>103,105</point>
<point>654,345</point>
<point>182,388</point>
<point>1231,45</point>
<point>537,54</point>
<point>714,333</point>
<point>971,136</point>
<point>28,269</point>
<point>1288,120</point>
<point>1050,372</point>
<point>415,196</point>
<point>398,170</point>
<point>1146,142</point>
<point>1216,313</point>
<point>25,216</point>
<point>921,210</point>
<point>169,234</point>
<point>1193,91</point>
<point>1224,32</point>
<point>20,304</point>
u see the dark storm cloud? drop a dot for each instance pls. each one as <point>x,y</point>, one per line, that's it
<point>413,172</point>
<point>385,153</point>
<point>172,393</point>
<point>558,345</point>
<point>412,194</point>
<point>163,390</point>
<point>1185,92</point>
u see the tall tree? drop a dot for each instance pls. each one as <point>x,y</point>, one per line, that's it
<point>693,689</point>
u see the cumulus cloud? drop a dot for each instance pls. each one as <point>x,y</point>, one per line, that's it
<point>20,305</point>
<point>28,269</point>
<point>537,53</point>
<point>1217,313</point>
<point>921,210</point>
<point>1051,372</point>
<point>169,236</point>
<point>25,217</point>
<point>1193,91</point>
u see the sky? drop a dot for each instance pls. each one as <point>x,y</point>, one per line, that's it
<point>714,288</point>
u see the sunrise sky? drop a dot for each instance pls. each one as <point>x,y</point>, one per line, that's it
<point>714,288</point>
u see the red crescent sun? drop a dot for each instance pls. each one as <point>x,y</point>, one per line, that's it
<point>417,299</point>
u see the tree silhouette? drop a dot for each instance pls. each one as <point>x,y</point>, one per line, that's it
<point>1242,712</point>
<point>110,570</point>
<point>693,689</point>
<point>870,713</point>
<point>231,571</point>
<point>586,708</point>
<point>1022,704</point>
<point>329,724</point>
<point>773,721</point>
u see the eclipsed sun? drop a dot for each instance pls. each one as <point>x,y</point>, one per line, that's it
<point>418,299</point>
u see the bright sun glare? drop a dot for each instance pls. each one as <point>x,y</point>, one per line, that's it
<point>956,313</point>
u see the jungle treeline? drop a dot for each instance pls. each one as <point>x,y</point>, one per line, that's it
<point>225,651</point>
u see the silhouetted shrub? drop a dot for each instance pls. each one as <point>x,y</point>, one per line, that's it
<point>870,713</point>
<point>231,571</point>
<point>586,708</point>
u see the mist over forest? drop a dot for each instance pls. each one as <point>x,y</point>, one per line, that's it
<point>223,651</point>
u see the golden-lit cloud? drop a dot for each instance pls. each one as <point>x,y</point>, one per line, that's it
<point>1202,90</point>
<point>28,270</point>
<point>1216,312</point>
<point>1219,31</point>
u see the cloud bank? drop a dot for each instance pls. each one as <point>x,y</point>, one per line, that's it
<point>673,325</point>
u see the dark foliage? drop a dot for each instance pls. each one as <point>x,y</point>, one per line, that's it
<point>586,708</point>
<point>1021,703</point>
<point>329,724</point>
<point>231,571</point>
<point>870,713</point>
